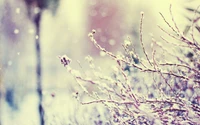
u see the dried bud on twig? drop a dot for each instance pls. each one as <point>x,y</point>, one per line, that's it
<point>65,60</point>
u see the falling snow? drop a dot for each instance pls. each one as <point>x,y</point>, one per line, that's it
<point>10,63</point>
<point>36,37</point>
<point>112,42</point>
<point>102,53</point>
<point>18,10</point>
<point>16,31</point>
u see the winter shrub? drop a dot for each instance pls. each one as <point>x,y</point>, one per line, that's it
<point>161,87</point>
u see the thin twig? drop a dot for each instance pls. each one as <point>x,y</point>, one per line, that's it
<point>170,9</point>
<point>168,24</point>
<point>141,37</point>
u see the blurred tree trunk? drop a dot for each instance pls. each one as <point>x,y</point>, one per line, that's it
<point>36,18</point>
<point>39,5</point>
<point>38,66</point>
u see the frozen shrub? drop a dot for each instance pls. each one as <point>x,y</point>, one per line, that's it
<point>161,87</point>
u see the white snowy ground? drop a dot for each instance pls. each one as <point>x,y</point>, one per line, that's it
<point>62,109</point>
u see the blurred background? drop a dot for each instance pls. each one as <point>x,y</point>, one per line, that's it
<point>33,33</point>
